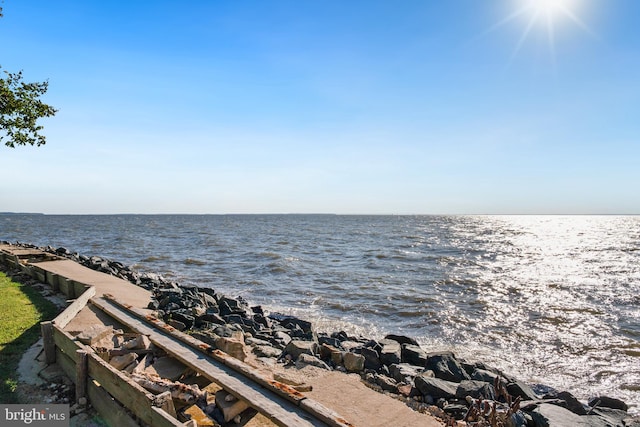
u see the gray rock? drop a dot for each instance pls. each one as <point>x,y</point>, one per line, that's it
<point>475,389</point>
<point>570,402</point>
<point>391,352</point>
<point>266,351</point>
<point>177,324</point>
<point>333,342</point>
<point>350,345</point>
<point>413,354</point>
<point>520,419</point>
<point>171,307</point>
<point>435,387</point>
<point>261,320</point>
<point>307,359</point>
<point>631,421</point>
<point>518,388</point>
<point>209,301</point>
<point>482,375</point>
<point>353,362</point>
<point>386,383</point>
<point>297,347</point>
<point>608,402</point>
<point>210,318</point>
<point>225,330</point>
<point>613,417</point>
<point>403,371</point>
<point>208,337</point>
<point>229,306</point>
<point>401,339</point>
<point>183,316</point>
<point>445,366</point>
<point>292,322</point>
<point>329,352</point>
<point>371,359</point>
<point>256,341</point>
<point>280,339</point>
<point>547,415</point>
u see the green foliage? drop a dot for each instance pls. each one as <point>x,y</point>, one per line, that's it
<point>20,108</point>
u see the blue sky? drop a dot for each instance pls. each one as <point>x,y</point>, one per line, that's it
<point>409,107</point>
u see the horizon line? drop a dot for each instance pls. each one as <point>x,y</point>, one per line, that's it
<point>313,214</point>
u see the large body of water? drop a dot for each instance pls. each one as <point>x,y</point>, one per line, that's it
<point>550,299</point>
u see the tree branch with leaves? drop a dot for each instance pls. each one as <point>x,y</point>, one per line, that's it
<point>20,108</point>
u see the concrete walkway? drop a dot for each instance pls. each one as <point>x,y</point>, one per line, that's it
<point>103,283</point>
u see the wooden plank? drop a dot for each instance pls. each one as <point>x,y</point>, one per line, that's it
<point>12,261</point>
<point>239,366</point>
<point>66,363</point>
<point>29,269</point>
<point>130,394</point>
<point>81,374</point>
<point>277,387</point>
<point>65,342</point>
<point>63,286</point>
<point>159,418</point>
<point>15,260</point>
<point>40,275</point>
<point>67,284</point>
<point>271,405</point>
<point>71,287</point>
<point>51,279</point>
<point>110,410</point>
<point>55,286</point>
<point>78,288</point>
<point>25,269</point>
<point>74,308</point>
<point>323,413</point>
<point>49,345</point>
<point>69,366</point>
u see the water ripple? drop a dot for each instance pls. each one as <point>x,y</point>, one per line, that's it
<point>551,299</point>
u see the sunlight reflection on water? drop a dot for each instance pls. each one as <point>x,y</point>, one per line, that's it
<point>552,298</point>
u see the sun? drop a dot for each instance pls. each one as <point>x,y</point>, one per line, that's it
<point>550,8</point>
<point>544,17</point>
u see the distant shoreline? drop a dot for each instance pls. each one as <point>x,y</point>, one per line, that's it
<point>21,213</point>
<point>323,214</point>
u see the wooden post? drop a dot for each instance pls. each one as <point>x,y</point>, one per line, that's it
<point>71,286</point>
<point>165,402</point>
<point>33,272</point>
<point>49,345</point>
<point>55,284</point>
<point>81,377</point>
<point>49,278</point>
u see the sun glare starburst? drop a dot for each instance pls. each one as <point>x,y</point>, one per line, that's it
<point>549,7</point>
<point>544,16</point>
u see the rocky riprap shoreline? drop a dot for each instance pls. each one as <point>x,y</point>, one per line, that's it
<point>472,392</point>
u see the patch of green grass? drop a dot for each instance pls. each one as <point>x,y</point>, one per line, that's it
<point>22,308</point>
